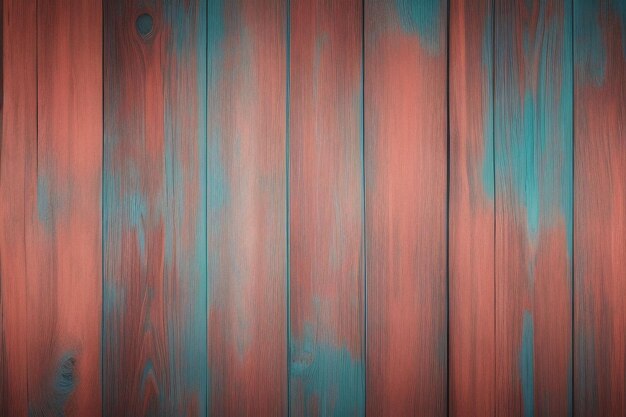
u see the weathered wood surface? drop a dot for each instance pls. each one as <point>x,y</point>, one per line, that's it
<point>18,182</point>
<point>405,119</point>
<point>471,210</point>
<point>534,198</point>
<point>600,209</point>
<point>154,208</point>
<point>327,366</point>
<point>247,199</point>
<point>51,168</point>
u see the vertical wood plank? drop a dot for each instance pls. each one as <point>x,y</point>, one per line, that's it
<point>534,197</point>
<point>327,367</point>
<point>64,289</point>
<point>154,342</point>
<point>471,210</point>
<point>18,153</point>
<point>600,210</point>
<point>405,174</point>
<point>247,218</point>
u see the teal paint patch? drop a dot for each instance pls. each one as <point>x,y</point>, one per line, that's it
<point>590,54</point>
<point>44,200</point>
<point>424,17</point>
<point>215,36</point>
<point>134,204</point>
<point>534,152</point>
<point>62,387</point>
<point>218,185</point>
<point>526,365</point>
<point>332,380</point>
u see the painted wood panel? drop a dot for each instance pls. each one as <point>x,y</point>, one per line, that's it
<point>247,200</point>
<point>18,170</point>
<point>405,84</point>
<point>533,163</point>
<point>65,287</point>
<point>51,177</point>
<point>600,210</point>
<point>471,210</point>
<point>327,366</point>
<point>154,208</point>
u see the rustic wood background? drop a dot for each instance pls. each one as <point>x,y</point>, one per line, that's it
<point>312,208</point>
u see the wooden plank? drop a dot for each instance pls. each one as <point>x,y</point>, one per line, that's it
<point>405,173</point>
<point>18,163</point>
<point>534,197</point>
<point>471,210</point>
<point>327,367</point>
<point>600,210</point>
<point>64,288</point>
<point>155,299</point>
<point>247,218</point>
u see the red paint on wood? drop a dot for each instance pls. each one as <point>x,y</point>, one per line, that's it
<point>405,170</point>
<point>471,223</point>
<point>600,211</point>
<point>326,208</point>
<point>64,289</point>
<point>18,142</point>
<point>247,211</point>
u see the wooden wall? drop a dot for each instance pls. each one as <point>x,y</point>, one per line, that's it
<point>312,208</point>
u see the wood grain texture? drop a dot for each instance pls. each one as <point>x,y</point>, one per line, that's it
<point>600,210</point>
<point>471,210</point>
<point>405,173</point>
<point>18,179</point>
<point>534,197</point>
<point>64,288</point>
<point>154,208</point>
<point>247,218</point>
<point>327,367</point>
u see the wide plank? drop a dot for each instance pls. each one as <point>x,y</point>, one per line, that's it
<point>327,366</point>
<point>534,206</point>
<point>65,286</point>
<point>154,208</point>
<point>405,100</point>
<point>471,210</point>
<point>600,211</point>
<point>18,181</point>
<point>247,218</point>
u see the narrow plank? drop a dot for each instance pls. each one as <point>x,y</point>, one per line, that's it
<point>18,163</point>
<point>471,210</point>
<point>600,210</point>
<point>327,367</point>
<point>534,197</point>
<point>64,288</point>
<point>405,173</point>
<point>247,218</point>
<point>155,299</point>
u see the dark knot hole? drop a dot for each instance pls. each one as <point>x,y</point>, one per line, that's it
<point>144,24</point>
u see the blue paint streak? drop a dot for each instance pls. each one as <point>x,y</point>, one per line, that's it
<point>332,379</point>
<point>526,364</point>
<point>425,17</point>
